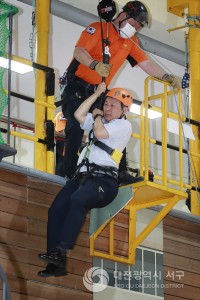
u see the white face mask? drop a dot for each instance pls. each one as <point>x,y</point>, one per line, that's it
<point>127,31</point>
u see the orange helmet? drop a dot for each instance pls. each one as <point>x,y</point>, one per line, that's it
<point>121,95</point>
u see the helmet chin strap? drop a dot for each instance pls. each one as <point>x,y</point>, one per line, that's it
<point>123,115</point>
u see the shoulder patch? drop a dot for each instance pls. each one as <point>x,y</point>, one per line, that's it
<point>90,30</point>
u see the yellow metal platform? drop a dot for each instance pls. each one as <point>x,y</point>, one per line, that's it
<point>146,194</point>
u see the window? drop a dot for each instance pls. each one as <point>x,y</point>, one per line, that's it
<point>145,276</point>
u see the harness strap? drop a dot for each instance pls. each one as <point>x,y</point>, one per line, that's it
<point>115,154</point>
<point>104,147</point>
<point>93,169</point>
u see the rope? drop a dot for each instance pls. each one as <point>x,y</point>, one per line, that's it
<point>32,36</point>
<point>106,54</point>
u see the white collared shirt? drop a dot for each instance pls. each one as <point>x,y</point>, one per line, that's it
<point>119,131</point>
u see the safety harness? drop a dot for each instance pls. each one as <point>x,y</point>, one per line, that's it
<point>94,169</point>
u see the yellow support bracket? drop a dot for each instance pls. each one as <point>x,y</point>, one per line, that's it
<point>176,28</point>
<point>154,195</point>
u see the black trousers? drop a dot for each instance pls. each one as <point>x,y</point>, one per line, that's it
<point>69,208</point>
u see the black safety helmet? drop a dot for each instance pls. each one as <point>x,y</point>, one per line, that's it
<point>138,11</point>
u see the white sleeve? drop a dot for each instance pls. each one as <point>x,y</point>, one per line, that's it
<point>88,124</point>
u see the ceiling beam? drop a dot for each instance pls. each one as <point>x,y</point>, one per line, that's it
<point>83,18</point>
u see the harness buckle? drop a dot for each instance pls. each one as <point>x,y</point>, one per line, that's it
<point>116,155</point>
<point>107,51</point>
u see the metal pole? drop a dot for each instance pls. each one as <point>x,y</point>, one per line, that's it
<point>6,295</point>
<point>42,31</point>
<point>9,72</point>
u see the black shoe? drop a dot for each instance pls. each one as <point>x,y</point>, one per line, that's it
<point>52,270</point>
<point>126,178</point>
<point>54,257</point>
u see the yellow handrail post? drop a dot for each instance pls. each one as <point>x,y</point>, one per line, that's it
<point>180,141</point>
<point>42,31</point>
<point>164,135</point>
<point>146,129</point>
<point>141,138</point>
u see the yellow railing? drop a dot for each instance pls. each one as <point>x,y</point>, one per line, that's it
<point>144,134</point>
<point>44,102</point>
<point>48,108</point>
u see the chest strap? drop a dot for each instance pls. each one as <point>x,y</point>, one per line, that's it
<point>115,154</point>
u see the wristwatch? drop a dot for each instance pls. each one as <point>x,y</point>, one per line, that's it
<point>97,115</point>
<point>93,64</point>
